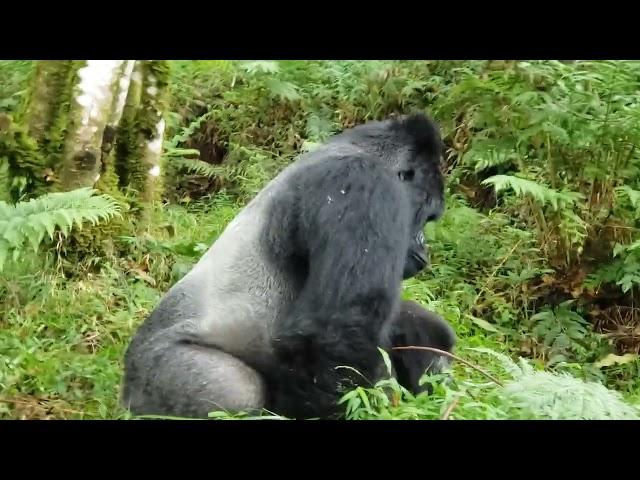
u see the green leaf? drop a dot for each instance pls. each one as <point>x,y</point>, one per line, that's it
<point>365,399</point>
<point>28,222</point>
<point>283,90</point>
<point>260,66</point>
<point>387,360</point>
<point>483,324</point>
<point>181,152</point>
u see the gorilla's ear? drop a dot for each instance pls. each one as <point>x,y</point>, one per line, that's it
<point>423,134</point>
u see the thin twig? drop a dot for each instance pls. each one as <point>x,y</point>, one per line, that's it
<point>450,408</point>
<point>495,270</point>
<point>455,357</point>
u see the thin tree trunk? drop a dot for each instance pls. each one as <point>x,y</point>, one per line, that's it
<point>126,135</point>
<point>108,177</point>
<point>40,124</point>
<point>89,113</point>
<point>49,81</point>
<point>5,166</point>
<point>141,131</point>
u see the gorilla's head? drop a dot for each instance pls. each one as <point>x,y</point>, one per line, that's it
<point>411,148</point>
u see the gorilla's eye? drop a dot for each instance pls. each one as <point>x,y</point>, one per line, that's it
<point>406,175</point>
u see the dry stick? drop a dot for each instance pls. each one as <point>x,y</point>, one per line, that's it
<point>450,408</point>
<point>455,357</point>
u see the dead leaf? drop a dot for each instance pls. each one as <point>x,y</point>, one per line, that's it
<point>548,279</point>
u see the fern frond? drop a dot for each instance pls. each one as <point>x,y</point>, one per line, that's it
<point>634,195</point>
<point>485,155</point>
<point>260,66</point>
<point>541,193</point>
<point>283,90</point>
<point>559,396</point>
<point>564,397</point>
<point>198,167</point>
<point>29,222</point>
<point>186,133</point>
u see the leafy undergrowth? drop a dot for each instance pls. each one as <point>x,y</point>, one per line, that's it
<point>62,339</point>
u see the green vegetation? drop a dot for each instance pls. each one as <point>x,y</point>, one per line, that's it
<point>536,262</point>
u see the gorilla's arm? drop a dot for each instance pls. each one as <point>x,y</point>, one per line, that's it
<point>354,227</point>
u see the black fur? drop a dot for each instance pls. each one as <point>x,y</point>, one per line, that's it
<point>416,326</point>
<point>354,220</point>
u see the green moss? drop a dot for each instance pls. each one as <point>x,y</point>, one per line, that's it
<point>21,158</point>
<point>38,142</point>
<point>5,180</point>
<point>152,106</point>
<point>108,181</point>
<point>55,137</point>
<point>126,131</point>
<point>46,86</point>
<point>145,106</point>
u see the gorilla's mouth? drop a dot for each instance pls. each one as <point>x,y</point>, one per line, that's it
<point>420,258</point>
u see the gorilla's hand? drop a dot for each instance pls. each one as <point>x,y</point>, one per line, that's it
<point>417,327</point>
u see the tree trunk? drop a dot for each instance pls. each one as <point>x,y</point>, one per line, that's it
<point>5,152</point>
<point>91,106</point>
<point>108,181</point>
<point>76,112</point>
<point>38,133</point>
<point>49,82</point>
<point>142,129</point>
<point>126,144</point>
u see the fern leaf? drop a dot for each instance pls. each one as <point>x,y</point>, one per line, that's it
<point>28,222</point>
<point>199,167</point>
<point>564,397</point>
<point>260,66</point>
<point>558,396</point>
<point>283,90</point>
<point>539,192</point>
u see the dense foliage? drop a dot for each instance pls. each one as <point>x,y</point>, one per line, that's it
<point>537,256</point>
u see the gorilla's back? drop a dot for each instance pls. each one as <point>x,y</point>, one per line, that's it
<point>232,296</point>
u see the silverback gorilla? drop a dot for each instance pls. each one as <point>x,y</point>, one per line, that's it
<point>306,279</point>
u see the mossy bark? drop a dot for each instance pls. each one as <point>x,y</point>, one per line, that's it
<point>108,181</point>
<point>90,110</point>
<point>49,81</point>
<point>18,153</point>
<point>42,122</point>
<point>5,166</point>
<point>90,123</point>
<point>5,180</point>
<point>126,134</point>
<point>141,131</point>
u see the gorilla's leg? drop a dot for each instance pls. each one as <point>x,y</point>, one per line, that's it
<point>188,380</point>
<point>415,326</point>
